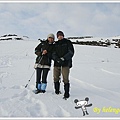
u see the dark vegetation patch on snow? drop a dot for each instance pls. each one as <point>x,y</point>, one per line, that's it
<point>12,37</point>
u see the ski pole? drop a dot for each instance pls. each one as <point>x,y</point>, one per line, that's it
<point>33,72</point>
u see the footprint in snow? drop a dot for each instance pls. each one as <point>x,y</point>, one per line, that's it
<point>21,94</point>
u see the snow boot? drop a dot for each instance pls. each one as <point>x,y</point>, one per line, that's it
<point>43,87</point>
<point>57,87</point>
<point>66,89</point>
<point>38,88</point>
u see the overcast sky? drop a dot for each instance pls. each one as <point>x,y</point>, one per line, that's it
<point>37,20</point>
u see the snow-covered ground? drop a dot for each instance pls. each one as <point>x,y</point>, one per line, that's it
<point>95,74</point>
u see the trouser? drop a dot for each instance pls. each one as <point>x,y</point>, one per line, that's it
<point>41,72</point>
<point>65,74</point>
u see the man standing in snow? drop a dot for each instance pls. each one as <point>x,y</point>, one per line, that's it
<point>62,57</point>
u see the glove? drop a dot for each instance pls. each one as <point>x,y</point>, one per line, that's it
<point>60,60</point>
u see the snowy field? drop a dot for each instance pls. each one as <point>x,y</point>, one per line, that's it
<point>95,74</point>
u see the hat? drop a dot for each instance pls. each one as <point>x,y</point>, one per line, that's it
<point>51,36</point>
<point>60,33</point>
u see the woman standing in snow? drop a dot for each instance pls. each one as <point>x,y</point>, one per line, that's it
<point>43,62</point>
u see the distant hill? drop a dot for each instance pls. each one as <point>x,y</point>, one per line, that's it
<point>96,41</point>
<point>13,37</point>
